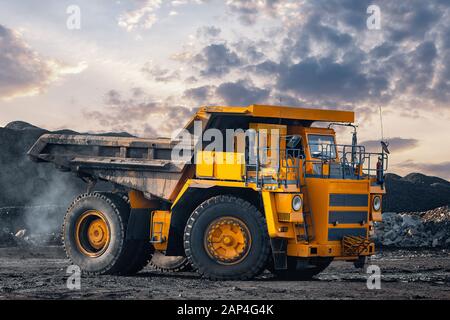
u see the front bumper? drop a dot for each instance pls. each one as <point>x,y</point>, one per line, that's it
<point>335,250</point>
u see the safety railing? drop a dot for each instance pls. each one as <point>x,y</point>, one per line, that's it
<point>287,166</point>
<point>344,162</point>
<point>274,165</point>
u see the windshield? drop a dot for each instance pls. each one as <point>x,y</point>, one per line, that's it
<point>321,146</point>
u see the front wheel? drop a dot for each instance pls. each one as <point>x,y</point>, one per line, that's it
<point>226,239</point>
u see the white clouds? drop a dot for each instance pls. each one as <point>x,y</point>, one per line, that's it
<point>295,52</point>
<point>146,13</point>
<point>159,74</point>
<point>177,3</point>
<point>142,17</point>
<point>24,72</point>
<point>249,11</point>
<point>140,113</point>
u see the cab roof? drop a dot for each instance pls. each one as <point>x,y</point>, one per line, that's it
<point>276,114</point>
<point>283,112</point>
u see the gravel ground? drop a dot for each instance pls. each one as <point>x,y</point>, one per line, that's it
<point>40,273</point>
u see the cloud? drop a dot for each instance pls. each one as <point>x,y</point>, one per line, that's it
<point>200,95</point>
<point>159,74</point>
<point>208,32</point>
<point>176,3</point>
<point>267,68</point>
<point>23,71</point>
<point>328,55</point>
<point>139,114</point>
<point>325,78</point>
<point>252,51</point>
<point>144,16</point>
<point>323,33</point>
<point>418,19</point>
<point>396,144</point>
<point>145,12</point>
<point>216,60</point>
<point>248,11</point>
<point>325,56</point>
<point>441,169</point>
<point>241,93</point>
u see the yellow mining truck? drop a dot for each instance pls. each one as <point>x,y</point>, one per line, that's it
<point>269,191</point>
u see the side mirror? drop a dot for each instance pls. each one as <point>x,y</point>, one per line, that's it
<point>293,141</point>
<point>384,146</point>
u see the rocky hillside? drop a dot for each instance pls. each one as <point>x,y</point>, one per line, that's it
<point>415,192</point>
<point>26,183</point>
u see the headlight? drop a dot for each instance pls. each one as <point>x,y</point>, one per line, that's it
<point>376,203</point>
<point>297,203</point>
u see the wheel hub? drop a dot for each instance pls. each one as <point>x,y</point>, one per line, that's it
<point>97,233</point>
<point>92,233</point>
<point>227,240</point>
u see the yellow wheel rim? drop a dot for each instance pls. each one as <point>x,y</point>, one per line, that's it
<point>92,234</point>
<point>227,240</point>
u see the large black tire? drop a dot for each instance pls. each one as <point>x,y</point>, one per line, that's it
<point>120,256</point>
<point>302,268</point>
<point>257,252</point>
<point>164,263</point>
<point>142,251</point>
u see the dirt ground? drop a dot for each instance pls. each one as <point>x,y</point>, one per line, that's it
<point>40,273</point>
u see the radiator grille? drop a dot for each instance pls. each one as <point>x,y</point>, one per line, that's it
<point>349,200</point>
<point>338,217</point>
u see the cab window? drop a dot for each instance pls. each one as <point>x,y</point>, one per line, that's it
<point>321,146</point>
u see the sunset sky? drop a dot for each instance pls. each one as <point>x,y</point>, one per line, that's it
<point>143,66</point>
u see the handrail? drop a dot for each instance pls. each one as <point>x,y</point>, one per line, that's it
<point>285,165</point>
<point>360,164</point>
<point>342,161</point>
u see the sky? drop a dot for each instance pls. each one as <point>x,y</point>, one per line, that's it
<point>144,66</point>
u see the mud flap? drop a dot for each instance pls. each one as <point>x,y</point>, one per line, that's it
<point>139,225</point>
<point>279,253</point>
<point>360,262</point>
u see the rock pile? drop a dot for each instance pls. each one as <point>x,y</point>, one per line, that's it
<point>31,225</point>
<point>414,229</point>
<point>23,239</point>
<point>7,238</point>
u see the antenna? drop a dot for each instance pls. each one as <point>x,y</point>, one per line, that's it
<point>381,123</point>
<point>384,144</point>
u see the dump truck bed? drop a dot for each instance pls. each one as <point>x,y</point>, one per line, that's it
<point>136,163</point>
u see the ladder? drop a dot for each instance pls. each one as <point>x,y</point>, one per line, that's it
<point>308,222</point>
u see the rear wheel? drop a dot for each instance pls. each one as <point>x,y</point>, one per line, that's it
<point>94,235</point>
<point>226,239</point>
<point>302,268</point>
